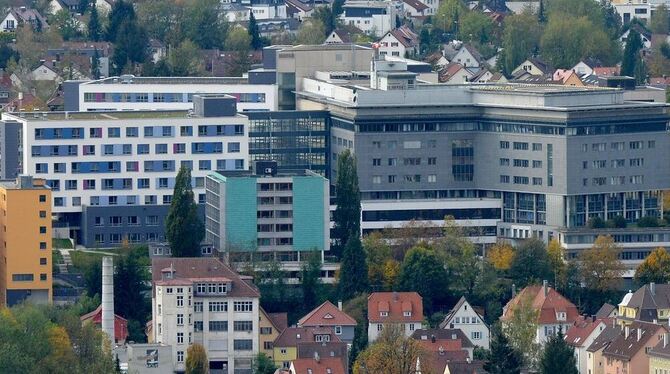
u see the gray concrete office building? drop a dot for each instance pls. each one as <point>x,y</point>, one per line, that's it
<point>556,156</point>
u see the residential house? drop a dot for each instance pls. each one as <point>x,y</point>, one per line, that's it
<point>518,7</point>
<point>5,88</point>
<point>449,339</point>
<point>338,36</point>
<point>203,300</point>
<point>329,315</point>
<point>404,309</point>
<point>437,61</point>
<point>375,18</point>
<point>235,12</point>
<point>270,326</point>
<point>497,77</point>
<point>586,66</point>
<point>607,310</point>
<point>324,349</point>
<point>415,8</point>
<point>399,42</point>
<point>158,50</point>
<point>629,9</point>
<point>554,311</point>
<point>44,72</point>
<point>286,345</point>
<point>465,367</point>
<point>627,353</point>
<point>484,75</point>
<point>595,362</point>
<point>298,9</point>
<point>567,78</point>
<point>650,303</point>
<point>317,365</point>
<point>120,324</point>
<point>533,66</point>
<point>464,54</point>
<point>465,318</point>
<point>454,73</point>
<point>659,356</point>
<point>17,17</point>
<point>606,71</point>
<point>70,5</point>
<point>581,335</point>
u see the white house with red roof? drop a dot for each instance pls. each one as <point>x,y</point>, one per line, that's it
<point>415,8</point>
<point>554,311</point>
<point>399,42</point>
<point>581,334</point>
<point>394,308</point>
<point>317,365</point>
<point>329,315</point>
<point>465,318</point>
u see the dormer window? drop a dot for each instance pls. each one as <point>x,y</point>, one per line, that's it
<point>407,313</point>
<point>168,275</point>
<point>561,316</point>
<point>383,314</point>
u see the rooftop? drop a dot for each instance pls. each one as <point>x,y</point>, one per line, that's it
<point>131,79</point>
<point>106,115</point>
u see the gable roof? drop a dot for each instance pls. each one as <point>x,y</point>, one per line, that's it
<point>327,365</point>
<point>606,71</point>
<point>466,367</point>
<point>443,334</point>
<point>293,336</point>
<point>454,48</point>
<point>395,304</point>
<point>605,338</point>
<point>24,14</point>
<point>416,4</point>
<point>299,5</point>
<point>462,301</point>
<point>543,66</point>
<point>605,310</point>
<point>625,348</point>
<point>192,269</point>
<point>405,36</point>
<point>342,35</point>
<point>326,314</point>
<point>278,320</point>
<point>548,304</point>
<point>582,328</point>
<point>662,349</point>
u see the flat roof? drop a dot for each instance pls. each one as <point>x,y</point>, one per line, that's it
<point>534,88</point>
<point>326,47</point>
<point>130,80</point>
<point>105,115</point>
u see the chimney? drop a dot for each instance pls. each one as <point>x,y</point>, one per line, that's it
<point>339,305</point>
<point>108,298</point>
<point>639,334</point>
<point>513,290</point>
<point>626,332</point>
<point>395,296</point>
<point>544,287</point>
<point>652,288</point>
<point>316,356</point>
<point>665,339</point>
<point>432,338</point>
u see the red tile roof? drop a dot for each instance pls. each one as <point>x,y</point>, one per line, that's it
<point>197,268</point>
<point>395,304</point>
<point>548,305</point>
<point>293,336</point>
<point>582,328</point>
<point>416,4</point>
<point>120,323</point>
<point>324,365</point>
<point>326,314</point>
<point>279,320</point>
<point>606,71</point>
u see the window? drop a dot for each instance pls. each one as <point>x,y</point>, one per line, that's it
<point>180,319</point>
<point>161,149</point>
<point>242,344</point>
<point>43,260</point>
<point>520,146</point>
<point>432,160</point>
<point>113,132</point>
<point>636,179</point>
<point>267,345</point>
<point>651,144</point>
<point>520,180</point>
<point>143,149</point>
<point>43,229</point>
<point>537,181</point>
<point>537,146</point>
<point>476,335</point>
<point>618,146</point>
<point>243,306</point>
<point>391,178</point>
<point>537,164</point>
<point>599,147</point>
<point>180,338</point>
<point>218,325</point>
<point>43,277</point>
<point>204,165</point>
<point>218,306</point>
<point>520,163</point>
<point>180,356</point>
<point>376,179</point>
<point>504,179</point>
<point>234,147</point>
<point>180,301</point>
<point>407,313</point>
<point>243,326</point>
<point>197,326</point>
<point>131,132</point>
<point>376,162</point>
<point>504,162</point>
<point>266,330</point>
<point>23,277</point>
<point>600,181</point>
<point>432,178</point>
<point>599,164</point>
<point>43,198</point>
<point>384,314</point>
<point>636,162</point>
<point>186,131</point>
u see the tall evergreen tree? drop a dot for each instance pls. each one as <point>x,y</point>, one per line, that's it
<point>311,274</point>
<point>94,27</point>
<point>131,46</point>
<point>541,16</point>
<point>502,358</point>
<point>631,53</point>
<point>353,270</point>
<point>558,357</point>
<point>95,65</point>
<point>347,215</point>
<point>183,227</point>
<point>256,41</point>
<point>122,11</point>
<point>83,6</point>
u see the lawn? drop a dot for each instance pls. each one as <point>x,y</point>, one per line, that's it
<point>61,243</point>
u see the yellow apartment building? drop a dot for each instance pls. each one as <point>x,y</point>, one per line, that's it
<point>25,245</point>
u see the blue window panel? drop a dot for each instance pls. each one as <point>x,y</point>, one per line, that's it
<point>60,133</point>
<point>54,150</point>
<point>169,185</point>
<point>157,166</point>
<point>96,167</point>
<point>208,147</point>
<point>143,149</point>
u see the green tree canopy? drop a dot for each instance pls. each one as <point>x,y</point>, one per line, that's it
<point>531,263</point>
<point>204,25</point>
<point>601,269</point>
<point>184,60</point>
<point>311,31</point>
<point>347,214</point>
<point>558,357</point>
<point>94,27</point>
<point>502,358</point>
<point>122,12</point>
<point>264,364</point>
<point>521,37</point>
<point>310,280</point>
<point>520,329</point>
<point>183,226</point>
<point>659,20</point>
<point>256,41</point>
<point>448,15</point>
<point>353,270</point>
<point>423,271</point>
<point>476,27</point>
<point>631,53</point>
